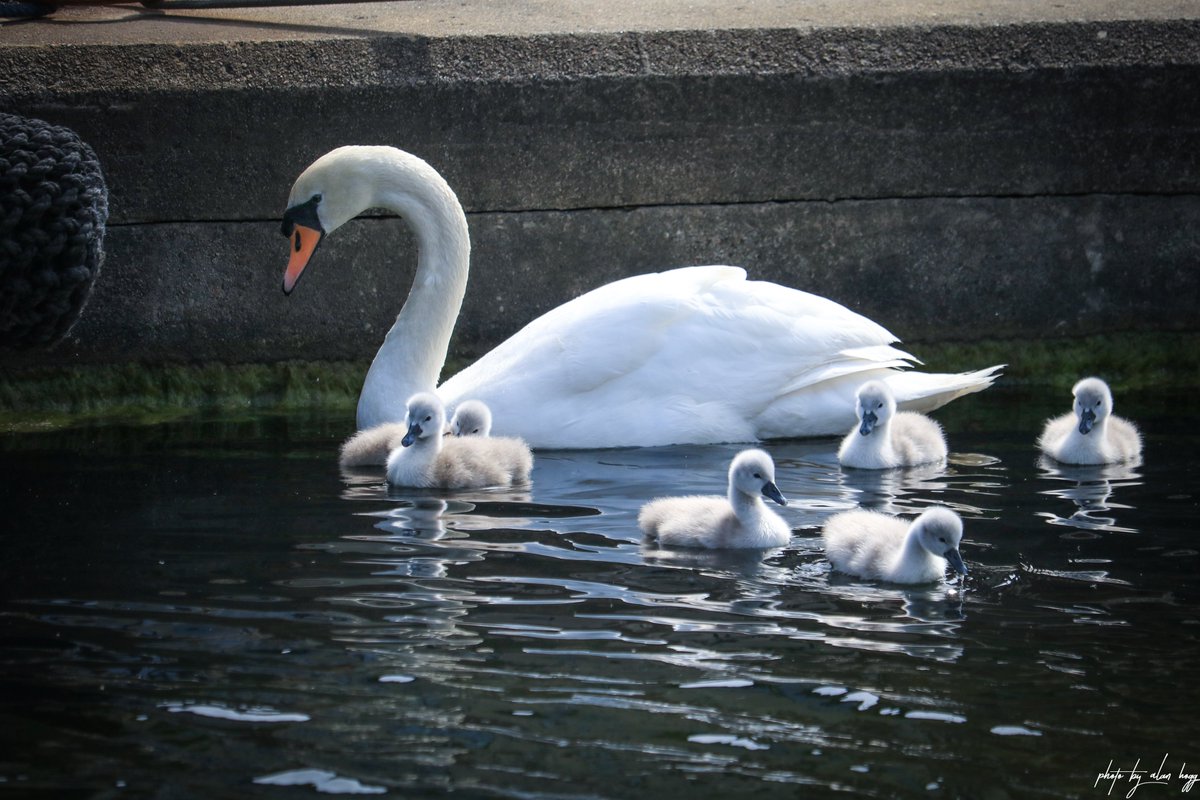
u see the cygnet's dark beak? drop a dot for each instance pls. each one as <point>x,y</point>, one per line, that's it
<point>955,560</point>
<point>414,433</point>
<point>772,491</point>
<point>868,423</point>
<point>1086,420</point>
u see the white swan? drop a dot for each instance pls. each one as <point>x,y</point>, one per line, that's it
<point>427,458</point>
<point>471,418</point>
<point>694,355</point>
<point>1091,433</point>
<point>885,438</point>
<point>878,546</point>
<point>740,520</point>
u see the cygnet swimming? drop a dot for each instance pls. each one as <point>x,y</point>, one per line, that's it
<point>471,418</point>
<point>1091,433</point>
<point>427,458</point>
<point>740,520</point>
<point>878,546</point>
<point>886,438</point>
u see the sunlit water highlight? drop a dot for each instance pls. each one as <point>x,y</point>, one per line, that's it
<point>211,609</point>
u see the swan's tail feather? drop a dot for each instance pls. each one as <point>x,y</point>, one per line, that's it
<point>924,392</point>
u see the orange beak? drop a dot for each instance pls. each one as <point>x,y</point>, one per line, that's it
<point>304,243</point>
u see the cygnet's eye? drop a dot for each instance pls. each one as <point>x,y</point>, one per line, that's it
<point>429,418</point>
<point>880,405</point>
<point>942,539</point>
<point>1098,402</point>
<point>758,475</point>
<point>316,198</point>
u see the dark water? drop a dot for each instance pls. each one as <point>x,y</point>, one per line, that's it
<point>210,609</point>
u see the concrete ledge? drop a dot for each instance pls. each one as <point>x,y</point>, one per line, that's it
<point>957,171</point>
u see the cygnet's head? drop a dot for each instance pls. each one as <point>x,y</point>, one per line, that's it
<point>471,418</point>
<point>753,473</point>
<point>426,417</point>
<point>939,531</point>
<point>875,404</point>
<point>1093,402</point>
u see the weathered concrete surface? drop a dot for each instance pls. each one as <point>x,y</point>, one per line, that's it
<point>955,170</point>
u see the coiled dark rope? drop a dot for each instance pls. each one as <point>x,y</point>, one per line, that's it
<point>53,208</point>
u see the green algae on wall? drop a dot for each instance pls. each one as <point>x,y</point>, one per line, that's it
<point>1126,361</point>
<point>60,397</point>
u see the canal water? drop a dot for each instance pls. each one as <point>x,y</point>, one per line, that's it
<point>211,608</point>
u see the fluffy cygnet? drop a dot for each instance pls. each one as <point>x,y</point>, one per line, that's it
<point>1091,434</point>
<point>370,447</point>
<point>740,520</point>
<point>887,438</point>
<point>428,459</point>
<point>471,418</point>
<point>878,546</point>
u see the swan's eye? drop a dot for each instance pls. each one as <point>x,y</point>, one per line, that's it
<point>758,475</point>
<point>429,418</point>
<point>879,406</point>
<point>942,539</point>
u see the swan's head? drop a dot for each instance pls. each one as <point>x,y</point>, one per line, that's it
<point>874,404</point>
<point>939,530</point>
<point>1093,402</point>
<point>753,473</point>
<point>334,189</point>
<point>426,417</point>
<point>471,418</point>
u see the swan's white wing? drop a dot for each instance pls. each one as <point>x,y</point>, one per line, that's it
<point>697,354</point>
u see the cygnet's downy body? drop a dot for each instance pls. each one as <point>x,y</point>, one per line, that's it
<point>886,438</point>
<point>878,546</point>
<point>471,418</point>
<point>427,458</point>
<point>739,520</point>
<point>1091,433</point>
<point>370,447</point>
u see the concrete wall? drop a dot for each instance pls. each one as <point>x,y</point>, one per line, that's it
<point>982,178</point>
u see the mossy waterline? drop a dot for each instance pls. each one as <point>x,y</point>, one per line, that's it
<point>56,396</point>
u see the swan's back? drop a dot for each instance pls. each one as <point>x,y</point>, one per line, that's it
<point>660,353</point>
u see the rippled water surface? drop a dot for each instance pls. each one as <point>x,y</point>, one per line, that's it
<point>210,608</point>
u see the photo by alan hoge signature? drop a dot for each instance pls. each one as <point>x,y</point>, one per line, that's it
<point>1135,778</point>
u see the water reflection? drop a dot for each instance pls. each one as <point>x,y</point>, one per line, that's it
<point>1090,489</point>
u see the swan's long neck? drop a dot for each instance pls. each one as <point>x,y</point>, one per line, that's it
<point>414,351</point>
